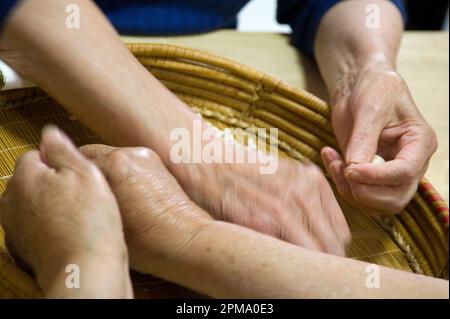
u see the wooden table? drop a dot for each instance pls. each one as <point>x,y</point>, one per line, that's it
<point>423,62</point>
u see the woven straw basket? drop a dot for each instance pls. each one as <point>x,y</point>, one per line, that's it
<point>232,95</point>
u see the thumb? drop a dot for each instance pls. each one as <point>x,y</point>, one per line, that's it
<point>58,151</point>
<point>363,143</point>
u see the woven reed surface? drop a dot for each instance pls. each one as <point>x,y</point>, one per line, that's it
<point>232,95</point>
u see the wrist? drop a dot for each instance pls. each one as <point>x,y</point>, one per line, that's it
<point>86,275</point>
<point>193,256</point>
<point>162,253</point>
<point>353,68</point>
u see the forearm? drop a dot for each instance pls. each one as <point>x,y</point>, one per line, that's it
<point>225,260</point>
<point>86,277</point>
<point>345,42</point>
<point>91,73</point>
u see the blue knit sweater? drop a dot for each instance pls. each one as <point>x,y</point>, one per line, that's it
<point>175,17</point>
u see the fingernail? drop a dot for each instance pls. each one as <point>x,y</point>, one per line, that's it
<point>42,152</point>
<point>355,158</point>
<point>51,129</point>
<point>58,133</point>
<point>352,174</point>
<point>354,161</point>
<point>326,157</point>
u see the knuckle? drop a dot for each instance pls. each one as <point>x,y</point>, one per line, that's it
<point>116,162</point>
<point>145,152</point>
<point>91,170</point>
<point>24,159</point>
<point>119,157</point>
<point>84,148</point>
<point>433,140</point>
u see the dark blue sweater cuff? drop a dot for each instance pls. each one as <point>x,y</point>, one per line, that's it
<point>5,8</point>
<point>304,17</point>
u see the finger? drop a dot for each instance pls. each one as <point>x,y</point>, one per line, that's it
<point>301,233</point>
<point>336,217</point>
<point>304,239</point>
<point>94,151</point>
<point>329,155</point>
<point>322,228</point>
<point>338,223</point>
<point>58,152</point>
<point>383,199</point>
<point>313,218</point>
<point>409,165</point>
<point>363,143</point>
<point>319,228</point>
<point>335,166</point>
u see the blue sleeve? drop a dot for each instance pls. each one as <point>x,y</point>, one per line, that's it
<point>304,17</point>
<point>5,7</point>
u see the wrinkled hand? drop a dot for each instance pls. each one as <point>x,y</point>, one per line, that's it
<point>158,217</point>
<point>374,113</point>
<point>295,204</point>
<point>57,210</point>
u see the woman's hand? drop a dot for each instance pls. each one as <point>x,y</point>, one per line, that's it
<point>58,210</point>
<point>159,218</point>
<point>372,109</point>
<point>295,204</point>
<point>374,113</point>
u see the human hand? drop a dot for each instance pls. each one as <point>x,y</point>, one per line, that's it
<point>159,218</point>
<point>295,204</point>
<point>58,210</point>
<point>374,113</point>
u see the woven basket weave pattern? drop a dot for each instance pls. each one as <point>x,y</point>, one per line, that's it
<point>228,94</point>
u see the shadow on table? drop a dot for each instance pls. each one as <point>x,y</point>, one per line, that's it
<point>313,81</point>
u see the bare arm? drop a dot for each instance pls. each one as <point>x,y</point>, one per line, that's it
<point>91,73</point>
<point>347,39</point>
<point>228,261</point>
